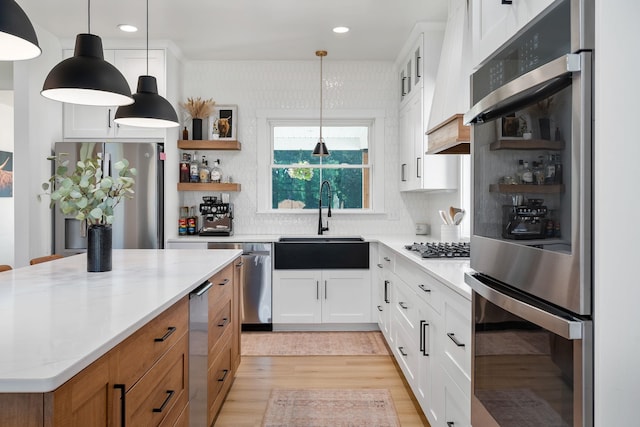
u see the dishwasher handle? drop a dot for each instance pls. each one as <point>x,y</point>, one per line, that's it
<point>202,289</point>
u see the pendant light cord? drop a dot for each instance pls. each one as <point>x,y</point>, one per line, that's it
<point>321,98</point>
<point>147,37</point>
<point>89,16</point>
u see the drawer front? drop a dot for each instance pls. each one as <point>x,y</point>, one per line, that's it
<point>219,324</point>
<point>137,354</point>
<point>406,352</point>
<point>162,393</point>
<point>220,377</point>
<point>222,289</point>
<point>427,288</point>
<point>457,338</point>
<point>457,405</point>
<point>405,308</point>
<point>386,258</point>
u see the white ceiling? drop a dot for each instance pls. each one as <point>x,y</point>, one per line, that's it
<point>247,29</point>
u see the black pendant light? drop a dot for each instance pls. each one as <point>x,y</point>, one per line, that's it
<point>86,78</point>
<point>149,109</point>
<point>321,149</point>
<point>18,39</point>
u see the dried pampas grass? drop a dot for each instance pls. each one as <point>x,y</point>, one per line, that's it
<point>198,108</point>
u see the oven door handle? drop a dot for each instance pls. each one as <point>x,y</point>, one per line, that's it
<point>566,328</point>
<point>528,88</point>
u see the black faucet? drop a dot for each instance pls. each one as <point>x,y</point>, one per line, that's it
<point>321,229</point>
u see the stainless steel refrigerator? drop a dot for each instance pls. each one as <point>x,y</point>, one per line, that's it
<point>139,222</point>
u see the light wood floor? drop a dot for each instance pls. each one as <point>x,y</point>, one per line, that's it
<point>257,375</point>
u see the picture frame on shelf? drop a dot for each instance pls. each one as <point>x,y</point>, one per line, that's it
<point>223,123</point>
<point>514,126</point>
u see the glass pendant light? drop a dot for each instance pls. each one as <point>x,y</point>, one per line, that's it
<point>18,39</point>
<point>149,109</point>
<point>321,149</point>
<point>86,78</point>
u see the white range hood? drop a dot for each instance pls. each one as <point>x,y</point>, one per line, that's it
<point>446,133</point>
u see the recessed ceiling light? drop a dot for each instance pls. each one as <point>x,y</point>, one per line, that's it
<point>341,30</point>
<point>127,28</point>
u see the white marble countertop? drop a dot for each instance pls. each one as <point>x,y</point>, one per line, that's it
<point>448,271</point>
<point>56,319</point>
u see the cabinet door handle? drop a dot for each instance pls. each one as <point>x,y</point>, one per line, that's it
<point>404,79</point>
<point>379,308</point>
<point>170,330</point>
<point>403,305</point>
<point>454,339</point>
<point>224,282</point>
<point>317,289</point>
<point>418,167</point>
<point>402,178</point>
<point>504,2</point>
<point>418,59</point>
<point>225,320</point>
<point>423,337</point>
<point>170,394</point>
<point>109,119</point>
<point>386,291</point>
<point>325,289</point>
<point>421,286</point>
<point>123,405</point>
<point>240,264</point>
<point>401,350</point>
<point>224,375</point>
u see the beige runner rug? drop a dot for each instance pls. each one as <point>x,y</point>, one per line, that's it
<point>313,344</point>
<point>330,408</point>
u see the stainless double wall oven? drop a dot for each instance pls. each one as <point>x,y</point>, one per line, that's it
<point>531,243</point>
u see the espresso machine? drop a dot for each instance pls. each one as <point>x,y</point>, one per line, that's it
<point>217,217</point>
<point>525,221</point>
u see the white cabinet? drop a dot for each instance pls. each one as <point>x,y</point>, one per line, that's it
<point>321,296</point>
<point>418,68</point>
<point>493,23</point>
<point>85,121</point>
<point>429,332</point>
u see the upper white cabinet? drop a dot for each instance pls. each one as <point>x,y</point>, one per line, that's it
<point>418,65</point>
<point>84,121</point>
<point>493,23</point>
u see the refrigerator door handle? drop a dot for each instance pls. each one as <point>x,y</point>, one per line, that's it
<point>570,329</point>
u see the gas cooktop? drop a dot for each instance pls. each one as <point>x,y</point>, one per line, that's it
<point>440,250</point>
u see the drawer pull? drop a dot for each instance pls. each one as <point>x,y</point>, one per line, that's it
<point>386,292</point>
<point>123,406</point>
<point>379,308</point>
<point>224,282</point>
<point>423,337</point>
<point>403,305</point>
<point>450,424</point>
<point>453,338</point>
<point>379,265</point>
<point>170,330</point>
<point>401,350</point>
<point>387,259</point>
<point>225,320</point>
<point>240,264</point>
<point>170,394</point>
<point>225,372</point>
<point>423,288</point>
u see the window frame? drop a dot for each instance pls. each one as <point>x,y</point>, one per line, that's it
<point>266,120</point>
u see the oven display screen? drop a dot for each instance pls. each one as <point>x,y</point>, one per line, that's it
<point>523,374</point>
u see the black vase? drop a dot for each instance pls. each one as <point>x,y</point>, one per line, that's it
<point>196,128</point>
<point>545,128</point>
<point>99,248</point>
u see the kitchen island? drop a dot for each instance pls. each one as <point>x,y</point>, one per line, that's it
<point>60,322</point>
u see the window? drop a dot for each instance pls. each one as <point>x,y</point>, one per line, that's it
<point>293,175</point>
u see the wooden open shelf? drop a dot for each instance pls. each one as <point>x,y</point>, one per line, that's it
<point>199,186</point>
<point>526,144</point>
<point>526,188</point>
<point>214,144</point>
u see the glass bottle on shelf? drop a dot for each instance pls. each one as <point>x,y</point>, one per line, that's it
<point>527,174</point>
<point>550,170</point>
<point>184,168</point>
<point>194,169</point>
<point>203,171</point>
<point>519,171</point>
<point>216,172</point>
<point>539,171</point>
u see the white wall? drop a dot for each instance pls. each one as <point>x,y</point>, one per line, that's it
<point>617,152</point>
<point>38,124</point>
<point>294,85</point>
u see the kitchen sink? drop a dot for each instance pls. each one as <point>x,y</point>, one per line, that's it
<point>320,252</point>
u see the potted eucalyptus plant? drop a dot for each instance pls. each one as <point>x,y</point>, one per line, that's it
<point>86,192</point>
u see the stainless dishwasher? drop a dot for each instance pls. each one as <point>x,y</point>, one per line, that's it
<point>256,283</point>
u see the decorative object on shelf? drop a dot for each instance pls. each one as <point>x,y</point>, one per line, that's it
<point>223,122</point>
<point>150,110</point>
<point>86,78</point>
<point>198,109</point>
<point>89,193</point>
<point>19,39</point>
<point>543,110</point>
<point>321,149</point>
<point>185,134</point>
